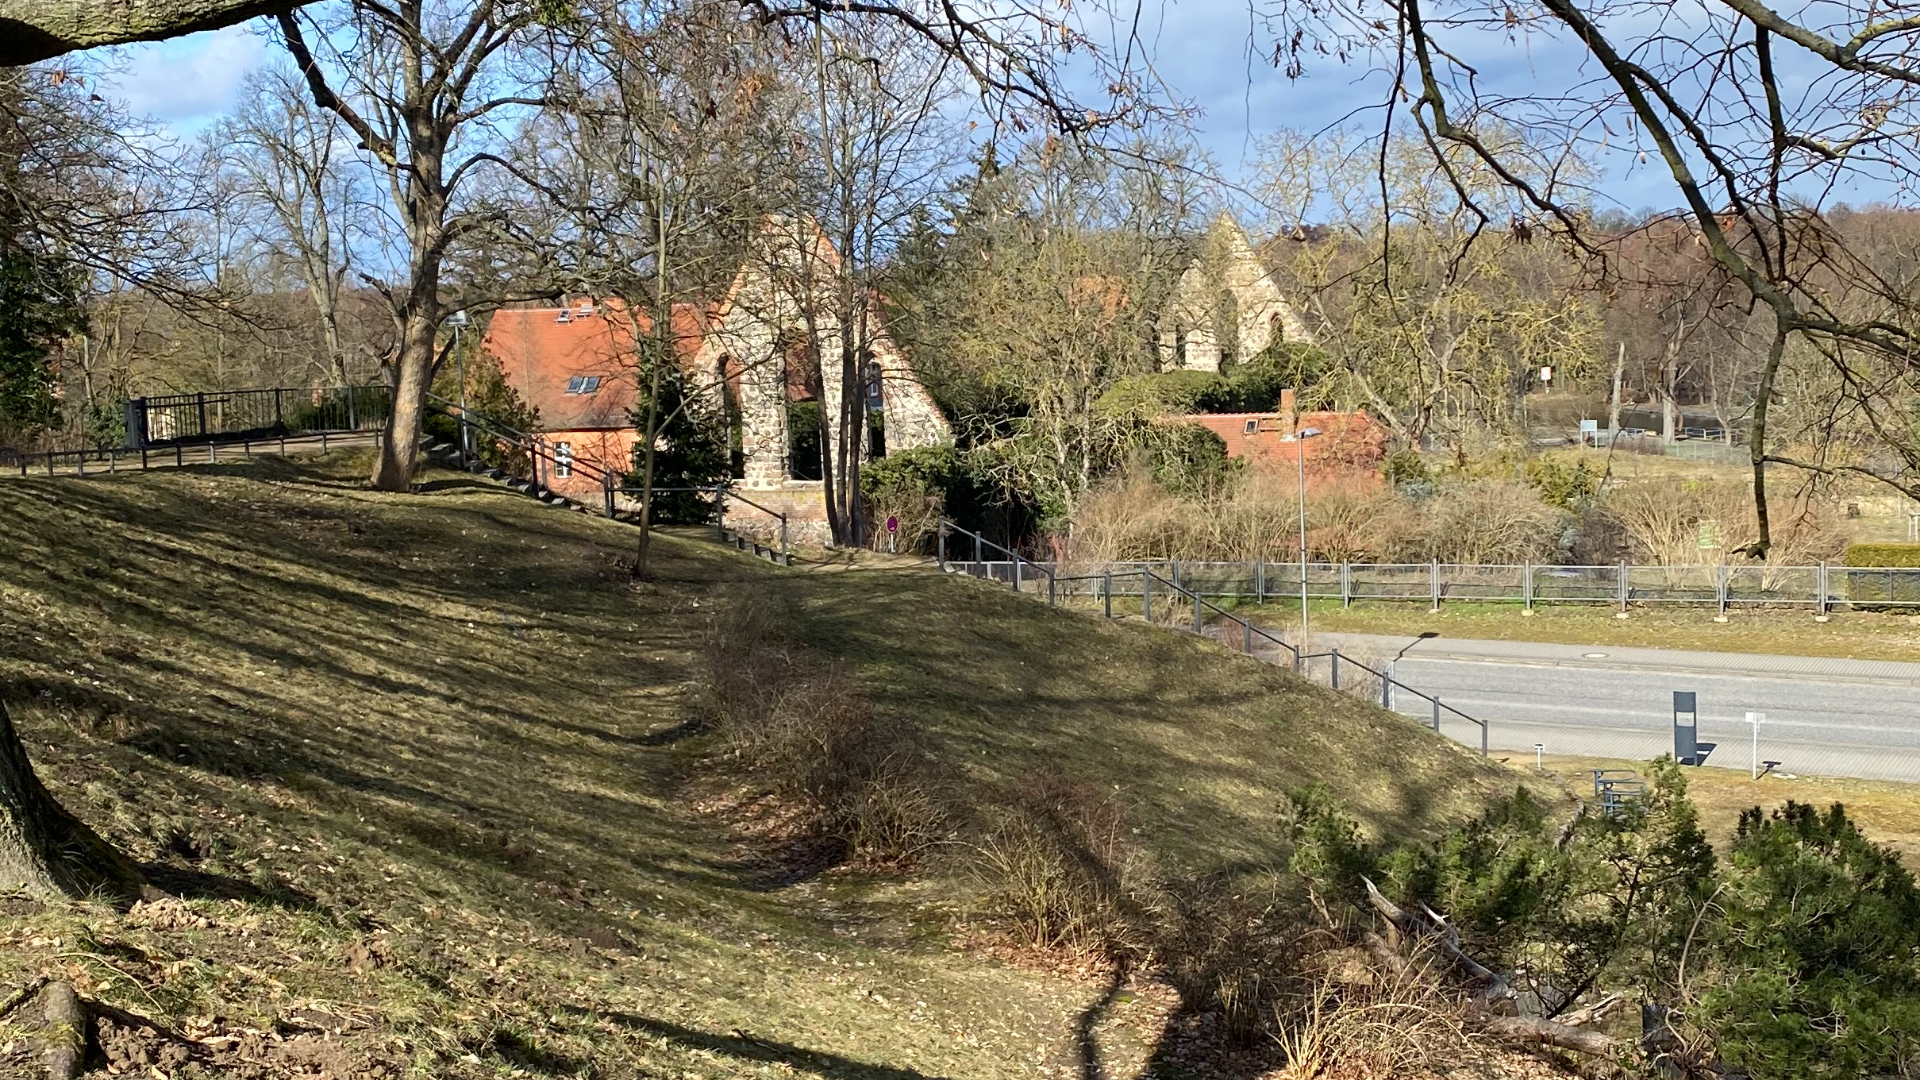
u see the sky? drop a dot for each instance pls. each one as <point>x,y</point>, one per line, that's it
<point>1204,49</point>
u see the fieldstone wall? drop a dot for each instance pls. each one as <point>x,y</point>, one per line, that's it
<point>779,303</point>
<point>1226,266</point>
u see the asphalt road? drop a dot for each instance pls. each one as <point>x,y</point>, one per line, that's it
<point>1823,717</point>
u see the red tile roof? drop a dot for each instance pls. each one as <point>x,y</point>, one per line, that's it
<point>1347,439</point>
<point>539,355</point>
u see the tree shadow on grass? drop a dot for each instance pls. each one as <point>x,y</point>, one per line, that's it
<point>745,1046</point>
<point>193,884</point>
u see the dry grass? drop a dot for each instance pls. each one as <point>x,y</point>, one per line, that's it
<point>419,769</point>
<point>1366,1019</point>
<point>1887,812</point>
<point>1862,635</point>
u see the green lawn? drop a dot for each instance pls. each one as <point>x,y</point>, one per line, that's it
<point>1859,634</point>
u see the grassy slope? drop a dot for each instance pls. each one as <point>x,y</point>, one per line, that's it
<point>410,762</point>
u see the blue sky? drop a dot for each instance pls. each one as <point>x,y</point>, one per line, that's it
<point>1204,48</point>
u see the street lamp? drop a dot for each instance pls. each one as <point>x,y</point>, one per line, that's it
<point>1394,664</point>
<point>458,321</point>
<point>1300,459</point>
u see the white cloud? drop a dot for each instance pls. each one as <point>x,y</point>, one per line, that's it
<point>187,82</point>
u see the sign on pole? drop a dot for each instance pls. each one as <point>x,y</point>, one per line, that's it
<point>1756,719</point>
<point>1686,728</point>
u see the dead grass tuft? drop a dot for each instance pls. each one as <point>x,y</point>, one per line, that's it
<point>1055,857</point>
<point>1361,1017</point>
<point>799,725</point>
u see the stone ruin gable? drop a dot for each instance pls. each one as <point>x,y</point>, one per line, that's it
<point>764,313</point>
<point>1226,264</point>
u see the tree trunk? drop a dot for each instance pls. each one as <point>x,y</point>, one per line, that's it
<point>400,445</point>
<point>45,851</point>
<point>1613,414</point>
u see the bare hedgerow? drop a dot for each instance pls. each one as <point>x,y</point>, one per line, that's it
<point>1233,945</point>
<point>801,726</point>
<point>1055,856</point>
<point>1366,1014</point>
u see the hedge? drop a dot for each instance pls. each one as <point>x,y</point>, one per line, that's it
<point>1864,588</point>
<point>1903,555</point>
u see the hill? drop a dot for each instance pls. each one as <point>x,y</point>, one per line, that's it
<point>416,769</point>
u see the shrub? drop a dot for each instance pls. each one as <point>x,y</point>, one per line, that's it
<point>1406,470</point>
<point>691,450</point>
<point>1568,487</point>
<point>1232,945</point>
<point>1490,521</point>
<point>1818,951</point>
<point>1055,857</point>
<point>1161,393</point>
<point>1187,459</point>
<point>1664,519</point>
<point>1883,555</point>
<point>1883,591</point>
<point>801,727</point>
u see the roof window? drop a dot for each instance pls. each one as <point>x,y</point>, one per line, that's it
<point>583,384</point>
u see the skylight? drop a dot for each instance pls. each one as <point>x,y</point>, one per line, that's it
<point>583,384</point>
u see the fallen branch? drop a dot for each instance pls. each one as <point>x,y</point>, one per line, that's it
<point>1550,1033</point>
<point>1497,988</point>
<point>1565,1034</point>
<point>66,1034</point>
<point>1591,1014</point>
<point>20,996</point>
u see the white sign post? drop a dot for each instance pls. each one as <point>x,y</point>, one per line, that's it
<point>1756,719</point>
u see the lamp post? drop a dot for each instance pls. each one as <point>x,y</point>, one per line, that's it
<point>1393,665</point>
<point>458,321</point>
<point>1300,458</point>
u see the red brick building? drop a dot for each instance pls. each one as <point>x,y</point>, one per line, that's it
<point>576,365</point>
<point>1350,445</point>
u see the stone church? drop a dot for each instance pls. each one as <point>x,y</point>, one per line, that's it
<point>769,343</point>
<point>1226,306</point>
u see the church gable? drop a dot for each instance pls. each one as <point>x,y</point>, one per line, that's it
<point>1226,306</point>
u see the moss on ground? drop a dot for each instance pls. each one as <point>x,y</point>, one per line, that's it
<point>415,766</point>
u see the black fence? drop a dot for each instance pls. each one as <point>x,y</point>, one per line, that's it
<point>227,415</point>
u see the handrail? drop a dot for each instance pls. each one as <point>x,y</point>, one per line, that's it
<point>531,445</point>
<point>947,525</point>
<point>1248,630</point>
<point>725,491</point>
<point>1387,681</point>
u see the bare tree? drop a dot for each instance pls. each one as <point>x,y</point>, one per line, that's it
<point>870,145</point>
<point>1759,118</point>
<point>289,153</point>
<point>430,90</point>
<point>660,175</point>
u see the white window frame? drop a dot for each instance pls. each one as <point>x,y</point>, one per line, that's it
<point>562,460</point>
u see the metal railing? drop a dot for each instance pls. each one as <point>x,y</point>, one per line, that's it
<point>721,493</point>
<point>1721,586</point>
<point>228,415</point>
<point>1017,569</point>
<point>543,461</point>
<point>113,459</point>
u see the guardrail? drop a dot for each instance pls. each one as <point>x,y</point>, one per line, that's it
<point>721,493</point>
<point>1068,587</point>
<point>229,415</point>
